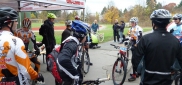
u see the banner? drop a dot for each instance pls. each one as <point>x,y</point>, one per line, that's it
<point>39,5</point>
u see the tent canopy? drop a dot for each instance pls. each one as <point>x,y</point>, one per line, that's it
<point>39,5</point>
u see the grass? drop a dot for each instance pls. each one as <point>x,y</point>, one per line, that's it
<point>35,25</point>
<point>108,34</point>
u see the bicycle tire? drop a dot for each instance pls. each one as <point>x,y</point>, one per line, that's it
<point>87,62</point>
<point>124,70</point>
<point>177,79</point>
<point>101,38</point>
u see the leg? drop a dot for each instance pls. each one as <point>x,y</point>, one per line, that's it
<point>121,36</point>
<point>36,63</point>
<point>48,51</point>
<point>114,33</point>
<point>117,34</point>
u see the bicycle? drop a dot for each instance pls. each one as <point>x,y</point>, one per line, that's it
<point>121,63</point>
<point>88,82</point>
<point>84,58</point>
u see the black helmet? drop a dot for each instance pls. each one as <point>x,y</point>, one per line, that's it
<point>7,15</point>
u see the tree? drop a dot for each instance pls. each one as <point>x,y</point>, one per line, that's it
<point>180,4</point>
<point>33,16</point>
<point>159,6</point>
<point>125,10</point>
<point>111,14</point>
<point>103,10</point>
<point>43,15</point>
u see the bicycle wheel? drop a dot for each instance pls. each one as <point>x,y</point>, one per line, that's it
<point>119,71</point>
<point>101,37</point>
<point>86,62</point>
<point>177,80</point>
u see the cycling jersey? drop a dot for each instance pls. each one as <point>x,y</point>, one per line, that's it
<point>26,36</point>
<point>14,58</point>
<point>178,32</point>
<point>134,32</point>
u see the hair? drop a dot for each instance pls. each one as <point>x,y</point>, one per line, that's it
<point>122,21</point>
<point>161,23</point>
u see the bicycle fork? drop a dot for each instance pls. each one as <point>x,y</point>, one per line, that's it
<point>118,67</point>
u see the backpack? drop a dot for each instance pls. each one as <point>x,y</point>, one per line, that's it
<point>52,65</point>
<point>42,30</point>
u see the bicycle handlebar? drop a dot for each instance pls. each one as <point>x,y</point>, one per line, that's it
<point>117,47</point>
<point>98,81</point>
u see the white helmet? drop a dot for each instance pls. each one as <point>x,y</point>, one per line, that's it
<point>160,14</point>
<point>178,16</point>
<point>68,23</point>
<point>134,19</point>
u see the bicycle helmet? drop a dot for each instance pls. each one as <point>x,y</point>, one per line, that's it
<point>68,23</point>
<point>8,15</point>
<point>160,17</point>
<point>134,19</point>
<point>77,18</point>
<point>80,29</point>
<point>26,23</point>
<point>51,15</point>
<point>178,16</point>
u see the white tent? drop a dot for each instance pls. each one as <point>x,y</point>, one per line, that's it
<point>39,5</point>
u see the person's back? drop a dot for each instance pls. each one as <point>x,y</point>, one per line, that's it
<point>15,66</point>
<point>159,49</point>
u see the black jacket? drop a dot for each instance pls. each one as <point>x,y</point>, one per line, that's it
<point>122,27</point>
<point>116,27</point>
<point>65,55</point>
<point>49,39</point>
<point>66,33</point>
<point>159,50</point>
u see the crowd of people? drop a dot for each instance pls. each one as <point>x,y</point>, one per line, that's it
<point>158,50</point>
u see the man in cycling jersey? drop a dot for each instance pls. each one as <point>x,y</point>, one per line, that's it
<point>159,49</point>
<point>177,31</point>
<point>14,62</point>
<point>26,35</point>
<point>67,55</point>
<point>135,33</point>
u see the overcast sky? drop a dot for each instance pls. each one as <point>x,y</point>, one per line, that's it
<point>97,5</point>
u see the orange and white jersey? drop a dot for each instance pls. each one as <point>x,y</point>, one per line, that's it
<point>14,58</point>
<point>25,36</point>
<point>134,32</point>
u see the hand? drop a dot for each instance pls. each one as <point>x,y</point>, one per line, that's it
<point>37,52</point>
<point>40,77</point>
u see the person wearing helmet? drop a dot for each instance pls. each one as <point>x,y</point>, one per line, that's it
<point>77,18</point>
<point>177,29</point>
<point>66,56</point>
<point>26,35</point>
<point>47,32</point>
<point>15,65</point>
<point>159,50</point>
<point>135,33</point>
<point>67,32</point>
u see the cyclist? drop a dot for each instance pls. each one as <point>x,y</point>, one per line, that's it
<point>159,49</point>
<point>26,35</point>
<point>69,49</point>
<point>177,29</point>
<point>14,62</point>
<point>67,32</point>
<point>135,33</point>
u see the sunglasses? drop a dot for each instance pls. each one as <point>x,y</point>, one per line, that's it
<point>175,19</point>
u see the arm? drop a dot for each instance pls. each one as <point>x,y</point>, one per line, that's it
<point>179,55</point>
<point>140,50</point>
<point>23,61</point>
